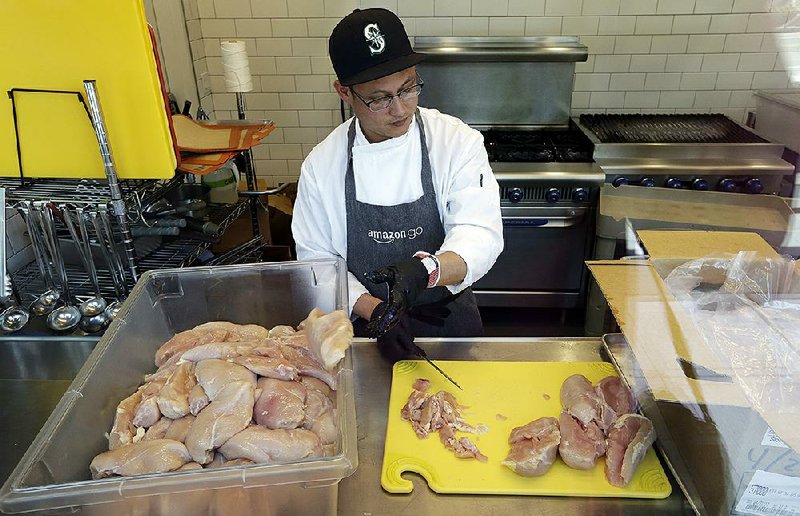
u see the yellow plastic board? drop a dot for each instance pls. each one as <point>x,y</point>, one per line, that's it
<point>519,392</point>
<point>56,45</point>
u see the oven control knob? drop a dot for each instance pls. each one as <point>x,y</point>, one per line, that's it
<point>727,185</point>
<point>673,182</point>
<point>515,195</point>
<point>552,195</point>
<point>753,186</point>
<point>580,195</point>
<point>699,184</point>
<point>620,181</point>
<point>648,182</point>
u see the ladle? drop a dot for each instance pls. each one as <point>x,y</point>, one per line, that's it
<point>14,317</point>
<point>66,317</point>
<point>94,305</point>
<point>106,240</point>
<point>48,300</point>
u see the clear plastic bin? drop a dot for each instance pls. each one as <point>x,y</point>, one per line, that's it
<point>53,476</point>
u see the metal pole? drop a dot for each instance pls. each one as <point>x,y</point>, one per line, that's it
<point>249,170</point>
<point>117,203</point>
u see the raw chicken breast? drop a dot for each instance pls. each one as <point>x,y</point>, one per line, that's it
<point>173,398</point>
<point>158,430</point>
<point>278,368</point>
<point>262,445</point>
<point>197,399</point>
<point>214,375</point>
<point>579,398</point>
<point>580,445</point>
<point>320,416</point>
<point>123,430</point>
<point>281,331</point>
<point>616,395</point>
<point>235,332</point>
<point>179,428</point>
<point>318,385</point>
<point>190,466</point>
<point>307,364</point>
<point>329,335</point>
<point>628,440</point>
<point>220,350</point>
<point>147,413</point>
<point>140,458</point>
<point>186,340</point>
<point>533,447</point>
<point>228,414</point>
<point>281,404</point>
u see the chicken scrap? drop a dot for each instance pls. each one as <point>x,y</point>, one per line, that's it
<point>441,413</point>
<point>216,383</point>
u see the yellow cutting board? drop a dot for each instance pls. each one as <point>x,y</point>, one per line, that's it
<point>519,391</point>
<point>56,45</point>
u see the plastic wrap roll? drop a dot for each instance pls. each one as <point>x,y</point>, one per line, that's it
<point>236,66</point>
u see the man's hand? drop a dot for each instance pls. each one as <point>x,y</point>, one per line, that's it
<point>406,280</point>
<point>397,343</point>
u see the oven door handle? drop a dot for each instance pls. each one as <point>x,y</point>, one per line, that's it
<point>542,222</point>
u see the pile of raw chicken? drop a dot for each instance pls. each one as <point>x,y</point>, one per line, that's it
<point>227,395</point>
<point>595,421</point>
<point>441,413</point>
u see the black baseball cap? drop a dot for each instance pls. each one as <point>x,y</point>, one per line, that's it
<point>368,44</point>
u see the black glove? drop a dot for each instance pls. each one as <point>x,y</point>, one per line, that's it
<point>397,343</point>
<point>431,313</point>
<point>406,280</point>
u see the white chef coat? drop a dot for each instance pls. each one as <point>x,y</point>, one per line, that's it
<point>386,174</point>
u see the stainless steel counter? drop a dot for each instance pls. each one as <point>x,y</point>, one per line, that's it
<point>361,494</point>
<point>34,374</point>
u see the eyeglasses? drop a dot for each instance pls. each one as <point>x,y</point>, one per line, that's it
<point>383,103</point>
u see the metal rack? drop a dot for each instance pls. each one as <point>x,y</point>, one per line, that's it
<point>84,191</point>
<point>172,253</point>
<point>185,251</point>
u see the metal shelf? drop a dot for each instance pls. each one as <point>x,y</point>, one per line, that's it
<point>84,191</point>
<point>175,253</point>
<point>182,252</point>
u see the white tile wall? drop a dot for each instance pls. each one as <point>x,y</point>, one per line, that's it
<point>637,6</point>
<point>645,55</point>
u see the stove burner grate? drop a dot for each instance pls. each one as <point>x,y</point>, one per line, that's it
<point>567,146</point>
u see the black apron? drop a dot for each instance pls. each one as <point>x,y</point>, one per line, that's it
<point>378,236</point>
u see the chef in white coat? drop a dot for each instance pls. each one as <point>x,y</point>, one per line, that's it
<point>403,193</point>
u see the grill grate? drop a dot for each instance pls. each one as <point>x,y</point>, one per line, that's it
<point>693,128</point>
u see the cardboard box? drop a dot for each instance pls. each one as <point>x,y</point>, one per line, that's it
<point>709,431</point>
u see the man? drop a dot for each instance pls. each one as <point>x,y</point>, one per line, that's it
<point>404,194</point>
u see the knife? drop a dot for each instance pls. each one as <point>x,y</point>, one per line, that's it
<point>421,353</point>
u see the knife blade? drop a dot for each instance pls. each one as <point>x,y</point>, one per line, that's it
<point>421,353</point>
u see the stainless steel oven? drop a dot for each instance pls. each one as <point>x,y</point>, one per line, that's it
<point>517,92</point>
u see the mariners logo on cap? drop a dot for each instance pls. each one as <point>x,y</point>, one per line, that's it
<point>375,39</point>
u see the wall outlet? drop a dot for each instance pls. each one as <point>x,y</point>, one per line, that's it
<point>205,85</point>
